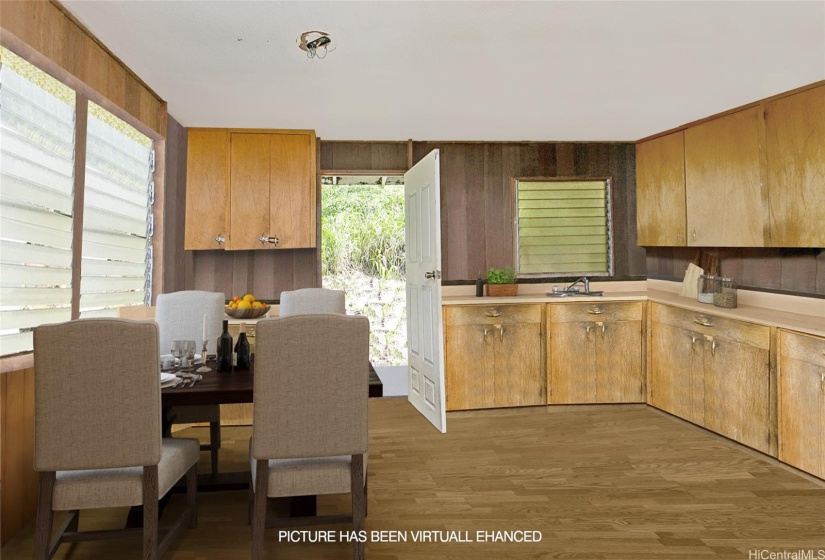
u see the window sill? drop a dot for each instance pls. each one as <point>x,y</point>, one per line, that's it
<point>17,362</point>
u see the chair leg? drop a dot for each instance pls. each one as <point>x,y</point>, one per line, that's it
<point>45,517</point>
<point>150,513</point>
<point>192,495</point>
<point>359,502</point>
<point>250,501</point>
<point>74,525</point>
<point>214,444</point>
<point>259,508</point>
<point>366,491</point>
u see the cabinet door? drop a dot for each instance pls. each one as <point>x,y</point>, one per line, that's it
<point>292,190</point>
<point>737,381</point>
<point>207,176</point>
<point>249,190</point>
<point>795,145</point>
<point>468,360</point>
<point>677,372</point>
<point>801,402</point>
<point>660,191</point>
<point>571,363</point>
<point>723,182</point>
<point>517,365</point>
<point>619,362</point>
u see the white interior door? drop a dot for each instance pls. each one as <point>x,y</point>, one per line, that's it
<point>422,190</point>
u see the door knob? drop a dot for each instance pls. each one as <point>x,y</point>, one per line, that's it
<point>269,239</point>
<point>220,239</point>
<point>432,274</point>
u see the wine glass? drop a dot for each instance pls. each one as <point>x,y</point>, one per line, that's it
<point>178,350</point>
<point>189,348</point>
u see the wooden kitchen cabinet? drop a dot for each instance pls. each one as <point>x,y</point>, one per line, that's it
<point>712,371</point>
<point>723,183</point>
<point>660,191</point>
<point>795,145</point>
<point>207,184</point>
<point>253,189</point>
<point>801,401</point>
<point>272,190</point>
<point>594,353</point>
<point>493,356</point>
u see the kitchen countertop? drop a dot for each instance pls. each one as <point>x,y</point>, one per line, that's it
<point>806,315</point>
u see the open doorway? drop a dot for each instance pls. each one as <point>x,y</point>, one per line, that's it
<point>363,253</point>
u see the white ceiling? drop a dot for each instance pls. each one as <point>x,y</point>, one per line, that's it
<point>463,70</point>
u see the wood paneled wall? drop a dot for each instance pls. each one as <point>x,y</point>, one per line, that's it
<point>18,479</point>
<point>177,263</point>
<point>477,206</point>
<point>797,271</point>
<point>46,35</point>
<point>350,156</point>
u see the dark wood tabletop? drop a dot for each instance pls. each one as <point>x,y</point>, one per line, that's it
<point>232,388</point>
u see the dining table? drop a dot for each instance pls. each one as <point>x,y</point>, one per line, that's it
<point>232,387</point>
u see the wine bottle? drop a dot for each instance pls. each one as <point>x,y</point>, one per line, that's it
<point>225,349</point>
<point>242,349</point>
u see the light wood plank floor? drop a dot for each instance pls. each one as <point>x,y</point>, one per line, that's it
<point>602,482</point>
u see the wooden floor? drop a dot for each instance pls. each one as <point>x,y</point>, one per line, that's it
<point>618,482</point>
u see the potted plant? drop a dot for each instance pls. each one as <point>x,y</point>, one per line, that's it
<point>501,282</point>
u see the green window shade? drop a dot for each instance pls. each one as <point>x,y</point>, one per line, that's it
<point>563,227</point>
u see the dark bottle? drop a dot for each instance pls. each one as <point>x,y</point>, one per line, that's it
<point>479,287</point>
<point>242,349</point>
<point>225,349</point>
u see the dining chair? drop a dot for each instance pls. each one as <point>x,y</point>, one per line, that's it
<point>312,300</point>
<point>179,316</point>
<point>309,429</point>
<point>97,432</point>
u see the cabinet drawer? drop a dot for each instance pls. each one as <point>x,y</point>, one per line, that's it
<point>712,325</point>
<point>491,314</point>
<point>610,311</point>
<point>804,348</point>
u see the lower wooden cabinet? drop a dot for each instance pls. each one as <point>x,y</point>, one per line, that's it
<point>594,353</point>
<point>712,371</point>
<point>493,356</point>
<point>801,401</point>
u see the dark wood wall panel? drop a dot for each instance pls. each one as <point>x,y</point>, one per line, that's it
<point>799,271</point>
<point>175,259</point>
<point>343,156</point>
<point>477,198</point>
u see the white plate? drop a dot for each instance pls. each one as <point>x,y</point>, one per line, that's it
<point>170,383</point>
<point>166,377</point>
<point>162,356</point>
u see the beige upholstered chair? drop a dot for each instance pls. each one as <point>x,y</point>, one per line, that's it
<point>180,317</point>
<point>312,300</point>
<point>97,430</point>
<point>309,432</point>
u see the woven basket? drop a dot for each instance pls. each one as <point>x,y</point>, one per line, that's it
<point>502,290</point>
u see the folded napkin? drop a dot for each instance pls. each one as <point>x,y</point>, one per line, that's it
<point>691,282</point>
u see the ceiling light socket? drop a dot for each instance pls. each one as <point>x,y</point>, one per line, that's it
<point>315,43</point>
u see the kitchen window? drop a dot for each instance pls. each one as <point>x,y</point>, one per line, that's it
<point>38,132</point>
<point>563,227</point>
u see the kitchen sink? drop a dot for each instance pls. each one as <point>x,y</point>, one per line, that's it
<point>565,293</point>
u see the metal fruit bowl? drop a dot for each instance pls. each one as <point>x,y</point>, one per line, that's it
<point>251,313</point>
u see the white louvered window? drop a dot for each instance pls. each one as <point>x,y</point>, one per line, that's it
<point>563,227</point>
<point>37,114</point>
<point>117,219</point>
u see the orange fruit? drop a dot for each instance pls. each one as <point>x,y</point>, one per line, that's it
<point>243,304</point>
<point>236,299</point>
<point>249,297</point>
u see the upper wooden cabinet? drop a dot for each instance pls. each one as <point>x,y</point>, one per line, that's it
<point>722,182</point>
<point>660,191</point>
<point>753,177</point>
<point>207,184</point>
<point>795,142</point>
<point>268,191</point>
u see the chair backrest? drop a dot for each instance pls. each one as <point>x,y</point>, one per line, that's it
<point>312,300</point>
<point>311,380</point>
<point>180,317</point>
<point>97,394</point>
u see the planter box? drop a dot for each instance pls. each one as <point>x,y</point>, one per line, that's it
<point>502,290</point>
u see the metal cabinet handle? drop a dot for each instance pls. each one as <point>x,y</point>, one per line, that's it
<point>823,377</point>
<point>694,235</point>
<point>493,312</point>
<point>702,320</point>
<point>272,239</point>
<point>588,328</point>
<point>713,347</point>
<point>602,325</point>
<point>486,332</point>
<point>220,238</point>
<point>595,310</point>
<point>692,342</point>
<point>500,332</point>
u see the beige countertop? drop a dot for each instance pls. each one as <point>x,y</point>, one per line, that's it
<point>794,313</point>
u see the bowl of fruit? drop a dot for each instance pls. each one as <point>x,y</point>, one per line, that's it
<point>246,307</point>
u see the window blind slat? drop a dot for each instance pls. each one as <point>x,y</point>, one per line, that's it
<point>561,212</point>
<point>92,285</point>
<point>559,231</point>
<point>578,203</point>
<point>114,252</point>
<point>110,299</point>
<point>94,267</point>
<point>30,318</point>
<point>26,297</point>
<point>12,252</point>
<point>21,192</point>
<point>16,343</point>
<point>103,219</point>
<point>16,275</point>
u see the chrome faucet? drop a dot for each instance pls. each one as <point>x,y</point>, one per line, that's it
<point>584,280</point>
